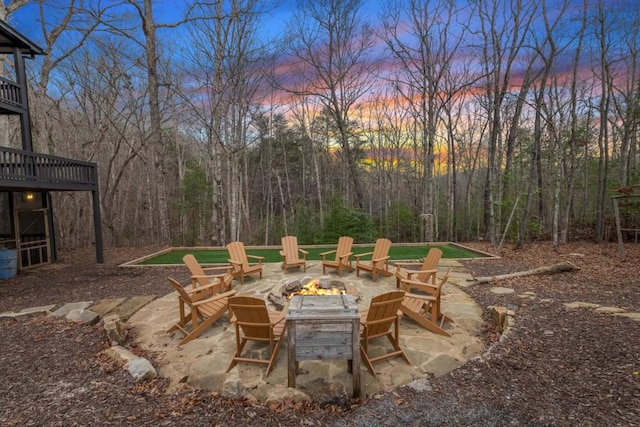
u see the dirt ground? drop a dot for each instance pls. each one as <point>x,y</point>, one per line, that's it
<point>557,366</point>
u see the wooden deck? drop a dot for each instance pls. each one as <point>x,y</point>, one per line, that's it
<point>20,169</point>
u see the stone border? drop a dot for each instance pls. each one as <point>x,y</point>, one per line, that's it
<point>503,318</point>
<point>139,367</point>
<point>611,310</point>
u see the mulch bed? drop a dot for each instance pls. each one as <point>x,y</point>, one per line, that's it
<point>557,366</point>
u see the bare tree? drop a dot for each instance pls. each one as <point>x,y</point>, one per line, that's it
<point>304,113</point>
<point>101,86</point>
<point>329,45</point>
<point>574,137</point>
<point>547,50</point>
<point>6,8</point>
<point>115,20</point>
<point>60,21</point>
<point>425,47</point>
<point>149,27</point>
<point>626,97</point>
<point>228,65</point>
<point>504,28</point>
<point>603,35</point>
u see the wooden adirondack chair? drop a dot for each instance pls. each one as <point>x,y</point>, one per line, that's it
<point>426,270</point>
<point>379,263</point>
<point>291,254</point>
<point>205,307</point>
<point>342,260</point>
<point>424,308</point>
<point>240,261</point>
<point>253,322</point>
<point>199,276</point>
<point>376,322</point>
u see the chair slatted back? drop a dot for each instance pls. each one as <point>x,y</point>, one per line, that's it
<point>196,270</point>
<point>180,290</point>
<point>383,311</point>
<point>290,248</point>
<point>381,250</point>
<point>344,247</point>
<point>252,316</point>
<point>430,263</point>
<point>239,255</point>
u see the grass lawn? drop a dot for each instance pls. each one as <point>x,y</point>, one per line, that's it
<point>221,256</point>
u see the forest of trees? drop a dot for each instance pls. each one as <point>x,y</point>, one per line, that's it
<point>420,120</point>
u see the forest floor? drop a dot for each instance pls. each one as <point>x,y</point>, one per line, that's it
<point>557,366</point>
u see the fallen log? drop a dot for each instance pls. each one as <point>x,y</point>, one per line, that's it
<point>561,267</point>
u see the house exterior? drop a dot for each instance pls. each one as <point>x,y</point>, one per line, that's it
<point>29,180</point>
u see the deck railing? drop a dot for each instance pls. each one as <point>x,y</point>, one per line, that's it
<point>10,92</point>
<point>21,168</point>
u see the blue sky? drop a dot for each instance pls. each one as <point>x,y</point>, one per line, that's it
<point>278,13</point>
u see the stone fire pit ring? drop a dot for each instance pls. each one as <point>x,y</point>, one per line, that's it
<point>280,297</point>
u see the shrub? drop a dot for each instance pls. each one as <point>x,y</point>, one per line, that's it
<point>345,221</point>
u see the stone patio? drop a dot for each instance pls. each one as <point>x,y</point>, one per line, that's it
<point>203,361</point>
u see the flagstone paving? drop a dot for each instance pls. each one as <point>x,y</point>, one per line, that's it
<point>129,307</point>
<point>106,305</point>
<point>203,361</point>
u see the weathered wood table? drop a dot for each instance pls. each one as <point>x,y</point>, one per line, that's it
<point>324,327</point>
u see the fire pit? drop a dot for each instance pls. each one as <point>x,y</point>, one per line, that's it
<point>324,285</point>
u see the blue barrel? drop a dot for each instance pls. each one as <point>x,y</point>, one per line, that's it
<point>8,263</point>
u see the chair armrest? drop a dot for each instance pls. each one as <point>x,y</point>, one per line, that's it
<point>275,318</point>
<point>208,276</point>
<point>215,298</point>
<point>358,256</point>
<point>408,284</point>
<point>200,289</point>
<point>235,262</point>
<point>205,292</point>
<point>421,297</point>
<point>303,251</point>
<point>214,280</point>
<point>412,272</point>
<point>328,252</point>
<point>384,258</point>
<point>434,271</point>
<point>259,258</point>
<point>369,323</point>
<point>347,256</point>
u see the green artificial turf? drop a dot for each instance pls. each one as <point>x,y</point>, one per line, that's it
<point>221,256</point>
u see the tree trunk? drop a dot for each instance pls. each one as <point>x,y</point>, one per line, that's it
<point>561,267</point>
<point>573,142</point>
<point>603,134</point>
<point>155,119</point>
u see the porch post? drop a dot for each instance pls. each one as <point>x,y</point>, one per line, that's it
<point>25,121</point>
<point>97,225</point>
<point>46,198</point>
